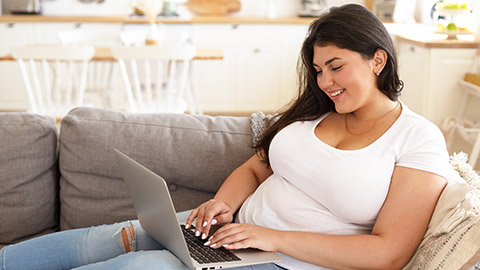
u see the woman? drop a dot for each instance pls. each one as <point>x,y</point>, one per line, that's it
<point>346,177</point>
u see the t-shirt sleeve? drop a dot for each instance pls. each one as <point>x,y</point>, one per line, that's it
<point>425,149</point>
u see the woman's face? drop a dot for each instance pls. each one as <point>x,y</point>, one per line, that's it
<point>346,77</point>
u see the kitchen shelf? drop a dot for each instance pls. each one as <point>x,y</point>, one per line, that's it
<point>471,88</point>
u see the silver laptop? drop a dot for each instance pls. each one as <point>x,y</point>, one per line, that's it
<point>156,214</point>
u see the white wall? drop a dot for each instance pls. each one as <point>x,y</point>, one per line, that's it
<point>281,8</point>
<point>74,7</point>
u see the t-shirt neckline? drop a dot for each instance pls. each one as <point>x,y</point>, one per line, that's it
<point>316,122</point>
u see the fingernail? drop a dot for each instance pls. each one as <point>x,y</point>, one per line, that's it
<point>206,243</point>
<point>210,239</point>
<point>204,224</point>
<point>187,226</point>
<point>197,233</point>
<point>226,245</point>
<point>204,236</point>
<point>214,245</point>
<point>214,221</point>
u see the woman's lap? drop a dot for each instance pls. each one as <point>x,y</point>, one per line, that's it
<point>100,247</point>
<point>73,248</point>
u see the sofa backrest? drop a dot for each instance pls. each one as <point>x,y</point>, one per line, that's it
<point>28,176</point>
<point>193,153</point>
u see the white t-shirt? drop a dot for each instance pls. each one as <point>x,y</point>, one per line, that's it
<point>318,188</point>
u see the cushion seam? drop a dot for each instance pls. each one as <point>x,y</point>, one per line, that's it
<point>161,125</point>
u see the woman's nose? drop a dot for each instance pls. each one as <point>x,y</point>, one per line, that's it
<point>324,80</point>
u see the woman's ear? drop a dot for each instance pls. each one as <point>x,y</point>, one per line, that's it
<point>379,61</point>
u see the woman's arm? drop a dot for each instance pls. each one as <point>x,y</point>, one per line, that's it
<point>399,229</point>
<point>242,182</point>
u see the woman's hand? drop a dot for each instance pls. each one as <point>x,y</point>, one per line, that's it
<point>209,213</point>
<point>242,235</point>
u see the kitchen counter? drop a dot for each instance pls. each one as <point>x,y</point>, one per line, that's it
<point>439,41</point>
<point>166,20</point>
<point>423,35</point>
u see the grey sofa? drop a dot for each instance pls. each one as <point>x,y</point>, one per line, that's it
<point>57,180</point>
<point>54,180</point>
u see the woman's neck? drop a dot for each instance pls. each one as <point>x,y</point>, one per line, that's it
<point>375,111</point>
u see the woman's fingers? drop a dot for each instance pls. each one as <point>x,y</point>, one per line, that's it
<point>241,236</point>
<point>219,213</point>
<point>228,235</point>
<point>246,243</point>
<point>207,214</point>
<point>200,221</point>
<point>190,218</point>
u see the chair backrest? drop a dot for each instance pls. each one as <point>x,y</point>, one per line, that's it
<point>156,79</point>
<point>100,73</point>
<point>54,76</point>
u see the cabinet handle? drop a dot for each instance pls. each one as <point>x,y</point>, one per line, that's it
<point>256,50</point>
<point>235,26</point>
<point>10,25</point>
<point>412,49</point>
<point>77,25</point>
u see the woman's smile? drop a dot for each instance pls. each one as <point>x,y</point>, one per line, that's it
<point>336,93</point>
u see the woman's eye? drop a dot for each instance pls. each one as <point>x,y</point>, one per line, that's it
<point>337,68</point>
<point>318,72</point>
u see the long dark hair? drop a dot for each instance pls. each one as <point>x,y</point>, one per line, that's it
<point>351,27</point>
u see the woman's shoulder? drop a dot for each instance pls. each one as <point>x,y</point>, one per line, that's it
<point>413,122</point>
<point>421,144</point>
<point>415,133</point>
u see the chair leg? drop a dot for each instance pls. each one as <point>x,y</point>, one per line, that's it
<point>193,93</point>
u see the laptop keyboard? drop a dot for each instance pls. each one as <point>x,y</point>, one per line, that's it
<point>204,254</point>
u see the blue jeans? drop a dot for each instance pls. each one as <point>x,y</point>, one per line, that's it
<point>96,248</point>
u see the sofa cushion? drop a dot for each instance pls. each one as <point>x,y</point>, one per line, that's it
<point>28,176</point>
<point>193,153</point>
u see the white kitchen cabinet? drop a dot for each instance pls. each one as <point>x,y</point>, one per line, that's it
<point>47,33</point>
<point>15,34</point>
<point>258,69</point>
<point>431,78</point>
<point>243,80</point>
<point>292,37</point>
<point>13,96</point>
